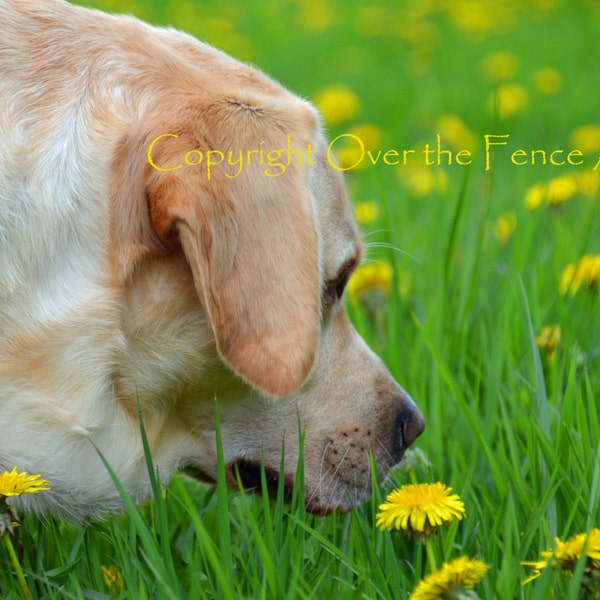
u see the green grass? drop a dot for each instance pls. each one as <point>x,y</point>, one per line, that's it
<point>515,434</point>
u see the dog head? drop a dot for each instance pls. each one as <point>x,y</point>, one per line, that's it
<point>234,259</point>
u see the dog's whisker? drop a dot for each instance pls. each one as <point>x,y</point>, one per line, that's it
<point>387,246</point>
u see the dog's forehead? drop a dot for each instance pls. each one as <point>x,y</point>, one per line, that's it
<point>340,238</point>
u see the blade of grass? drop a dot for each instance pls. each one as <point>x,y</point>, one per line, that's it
<point>159,506</point>
<point>223,511</point>
<point>542,409</point>
<point>149,543</point>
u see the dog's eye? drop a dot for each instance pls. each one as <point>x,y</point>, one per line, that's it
<point>334,288</point>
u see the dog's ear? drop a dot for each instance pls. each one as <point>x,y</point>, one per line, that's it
<point>249,234</point>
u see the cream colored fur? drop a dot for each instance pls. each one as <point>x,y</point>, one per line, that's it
<point>122,285</point>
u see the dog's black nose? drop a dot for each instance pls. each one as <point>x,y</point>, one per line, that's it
<point>409,423</point>
<point>412,423</point>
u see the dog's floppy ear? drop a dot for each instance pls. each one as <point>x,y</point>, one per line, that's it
<point>249,235</point>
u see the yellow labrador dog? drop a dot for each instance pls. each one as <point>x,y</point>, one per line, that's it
<point>174,235</point>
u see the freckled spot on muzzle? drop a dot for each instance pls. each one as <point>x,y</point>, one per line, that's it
<point>347,455</point>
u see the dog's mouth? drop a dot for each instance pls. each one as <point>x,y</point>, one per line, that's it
<point>256,477</point>
<point>261,479</point>
<point>252,476</point>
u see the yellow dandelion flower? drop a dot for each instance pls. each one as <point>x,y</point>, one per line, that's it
<point>556,191</point>
<point>366,212</point>
<point>453,130</point>
<point>337,103</point>
<point>588,182</point>
<point>420,508</point>
<point>586,271</point>
<point>370,276</point>
<point>505,226</point>
<point>586,138</point>
<point>350,158</point>
<point>537,566</point>
<point>113,578</point>
<point>547,81</point>
<point>16,484</point>
<point>454,576</point>
<point>548,340</point>
<point>508,100</point>
<point>475,17</point>
<point>350,153</point>
<point>369,134</point>
<point>500,66</point>
<point>561,189</point>
<point>567,280</point>
<point>315,15</point>
<point>423,180</point>
<point>568,553</point>
<point>535,195</point>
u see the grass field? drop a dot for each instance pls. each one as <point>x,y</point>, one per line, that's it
<point>480,255</point>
